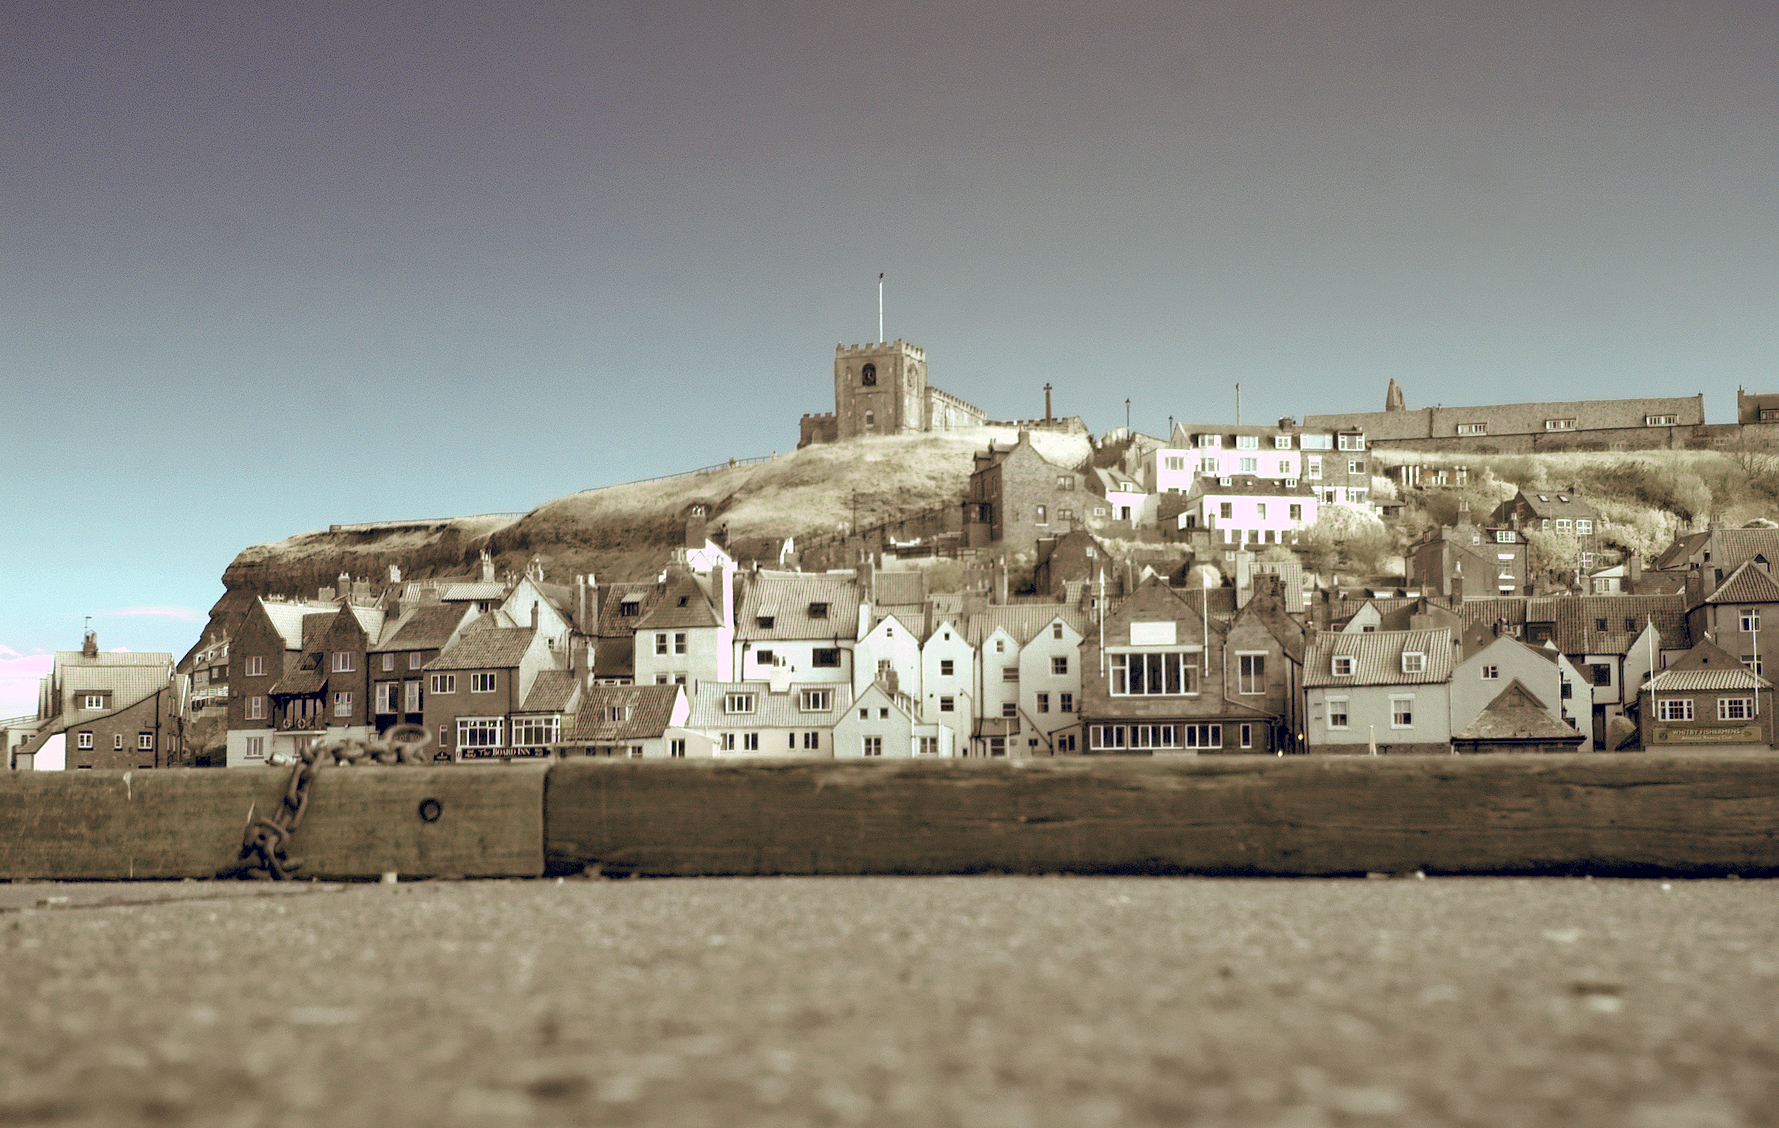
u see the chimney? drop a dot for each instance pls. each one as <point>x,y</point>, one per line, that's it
<point>344,583</point>
<point>1463,514</point>
<point>1286,423</point>
<point>90,647</point>
<point>534,614</point>
<point>1047,416</point>
<point>695,527</point>
<point>1458,575</point>
<point>324,595</point>
<point>487,567</point>
<point>1633,572</point>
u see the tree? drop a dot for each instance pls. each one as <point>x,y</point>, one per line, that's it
<point>1552,552</point>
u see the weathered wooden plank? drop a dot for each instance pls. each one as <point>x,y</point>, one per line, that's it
<point>1643,813</point>
<point>361,822</point>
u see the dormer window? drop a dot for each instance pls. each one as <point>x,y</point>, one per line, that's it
<point>1281,442</point>
<point>617,714</point>
<point>630,606</point>
<point>764,622</point>
<point>682,600</point>
<point>1343,666</point>
<point>738,703</point>
<point>818,610</point>
<point>1247,442</point>
<point>1413,662</point>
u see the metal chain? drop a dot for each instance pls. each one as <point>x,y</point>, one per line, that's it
<point>263,844</point>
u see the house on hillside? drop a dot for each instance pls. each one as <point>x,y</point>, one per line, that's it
<point>1464,561</point>
<point>1709,701</point>
<point>1245,509</point>
<point>1735,613</point>
<point>1562,511</point>
<point>1028,679</point>
<point>398,660</point>
<point>1017,496</point>
<point>806,623</point>
<point>688,633</point>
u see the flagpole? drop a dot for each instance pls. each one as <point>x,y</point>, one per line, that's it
<point>880,308</point>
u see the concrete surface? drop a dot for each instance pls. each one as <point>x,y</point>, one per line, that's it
<point>992,1001</point>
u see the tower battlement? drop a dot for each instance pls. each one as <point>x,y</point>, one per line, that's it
<point>880,348</point>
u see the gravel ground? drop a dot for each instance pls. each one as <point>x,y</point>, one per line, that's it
<point>993,1001</point>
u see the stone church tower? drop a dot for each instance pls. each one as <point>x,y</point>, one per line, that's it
<point>880,389</point>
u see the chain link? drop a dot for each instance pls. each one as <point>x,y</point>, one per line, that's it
<point>263,855</point>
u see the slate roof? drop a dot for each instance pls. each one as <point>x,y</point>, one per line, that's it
<point>771,710</point>
<point>127,684</point>
<point>650,710</point>
<point>612,623</point>
<point>1021,620</point>
<point>471,592</point>
<point>1730,547</point>
<point>1749,583</point>
<point>786,596</point>
<point>1516,716</point>
<point>1680,552</point>
<point>485,648</point>
<point>427,627</point>
<point>685,601</point>
<point>288,618</point>
<point>552,692</point>
<point>899,587</point>
<point>1378,658</point>
<point>1548,505</point>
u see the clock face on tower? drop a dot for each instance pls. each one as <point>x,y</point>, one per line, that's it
<point>870,375</point>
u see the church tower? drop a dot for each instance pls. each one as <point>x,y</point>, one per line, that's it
<point>880,389</point>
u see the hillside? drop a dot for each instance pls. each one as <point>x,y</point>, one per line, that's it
<point>620,532</point>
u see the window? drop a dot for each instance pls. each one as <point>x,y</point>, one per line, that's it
<point>617,714</point>
<point>1565,526</point>
<point>1174,462</point>
<point>342,704</point>
<point>1247,442</point>
<point>945,667</point>
<point>411,691</point>
<point>750,742</point>
<point>1750,619</point>
<point>765,621</point>
<point>1337,712</point>
<point>342,661</point>
<point>864,714</point>
<point>1043,515</point>
<point>1674,709</point>
<point>1207,466</point>
<point>1056,628</point>
<point>870,419</point>
<point>738,703</point>
<point>389,661</point>
<point>818,610</point>
<point>1064,482</point>
<point>444,736</point>
<point>1735,708</point>
<point>1413,662</point>
<point>1226,510</point>
<point>676,749</point>
<point>256,667</point>
<point>1251,673</point>
<point>1660,420</point>
<point>1355,466</point>
<point>386,695</point>
<point>1204,736</point>
<point>1342,666</point>
<point>1000,646</point>
<point>661,643</point>
<point>1043,703</point>
<point>117,742</point>
<point>825,657</point>
<point>1105,736</point>
<point>444,683</point>
<point>1066,702</point>
<point>1491,673</point>
<point>630,607</point>
<point>481,683</point>
<point>1281,442</point>
<point>84,741</point>
<point>812,741</point>
<point>1250,465</point>
<point>1009,673</point>
<point>1260,511</point>
<point>535,732</point>
<point>1065,742</point>
<point>868,377</point>
<point>1059,667</point>
<point>948,704</point>
<point>816,700</point>
<point>1315,467</point>
<point>256,708</point>
<point>479,732</point>
<point>1402,712</point>
<point>1352,442</point>
<point>1473,428</point>
<point>1752,661</point>
<point>1583,527</point>
<point>873,746</point>
<point>1166,674</point>
<point>1506,536</point>
<point>929,746</point>
<point>1602,673</point>
<point>1559,424</point>
<point>1247,736</point>
<point>1297,514</point>
<point>679,642</point>
<point>414,660</point>
<point>728,742</point>
<point>1009,708</point>
<point>256,748</point>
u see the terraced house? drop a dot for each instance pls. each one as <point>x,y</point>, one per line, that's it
<point>1388,691</point>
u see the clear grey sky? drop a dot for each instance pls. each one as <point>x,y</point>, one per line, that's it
<point>266,267</point>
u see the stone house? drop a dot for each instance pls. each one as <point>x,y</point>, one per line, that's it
<point>1161,674</point>
<point>1018,496</point>
<point>1391,687</point>
<point>268,648</point>
<point>1562,511</point>
<point>1709,701</point>
<point>1464,561</point>
<point>688,633</point>
<point>1734,614</point>
<point>106,711</point>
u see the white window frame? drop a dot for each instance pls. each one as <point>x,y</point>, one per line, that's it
<point>536,732</point>
<point>1414,662</point>
<point>740,704</point>
<point>1202,735</point>
<point>1674,709</point>
<point>256,708</point>
<point>1339,707</point>
<point>387,695</point>
<point>1182,663</point>
<point>1398,702</point>
<point>1473,428</point>
<point>443,683</point>
<point>480,732</point>
<point>1735,708</point>
<point>1559,424</point>
<point>342,703</point>
<point>145,742</point>
<point>481,683</point>
<point>1059,666</point>
<point>1250,673</point>
<point>342,661</point>
<point>388,662</point>
<point>871,746</point>
<point>1749,617</point>
<point>816,701</point>
<point>411,697</point>
<point>255,666</point>
<point>256,748</point>
<point>1491,673</point>
<point>1342,666</point>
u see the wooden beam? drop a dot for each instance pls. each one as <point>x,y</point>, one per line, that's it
<point>361,822</point>
<point>1580,813</point>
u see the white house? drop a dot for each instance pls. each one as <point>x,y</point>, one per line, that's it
<point>806,623</point>
<point>1391,687</point>
<point>1244,509</point>
<point>948,681</point>
<point>777,718</point>
<point>880,723</point>
<point>887,648</point>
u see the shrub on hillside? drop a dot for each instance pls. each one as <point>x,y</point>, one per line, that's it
<point>1552,552</point>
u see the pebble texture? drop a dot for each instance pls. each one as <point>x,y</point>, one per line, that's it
<point>987,1001</point>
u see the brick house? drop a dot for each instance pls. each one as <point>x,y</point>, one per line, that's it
<point>398,662</point>
<point>1708,700</point>
<point>106,711</point>
<point>1735,613</point>
<point>632,721</point>
<point>477,684</point>
<point>1562,511</point>
<point>282,677</point>
<point>1162,675</point>
<point>1466,561</point>
<point>1017,496</point>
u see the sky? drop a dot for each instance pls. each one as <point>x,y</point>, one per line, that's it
<point>266,267</point>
